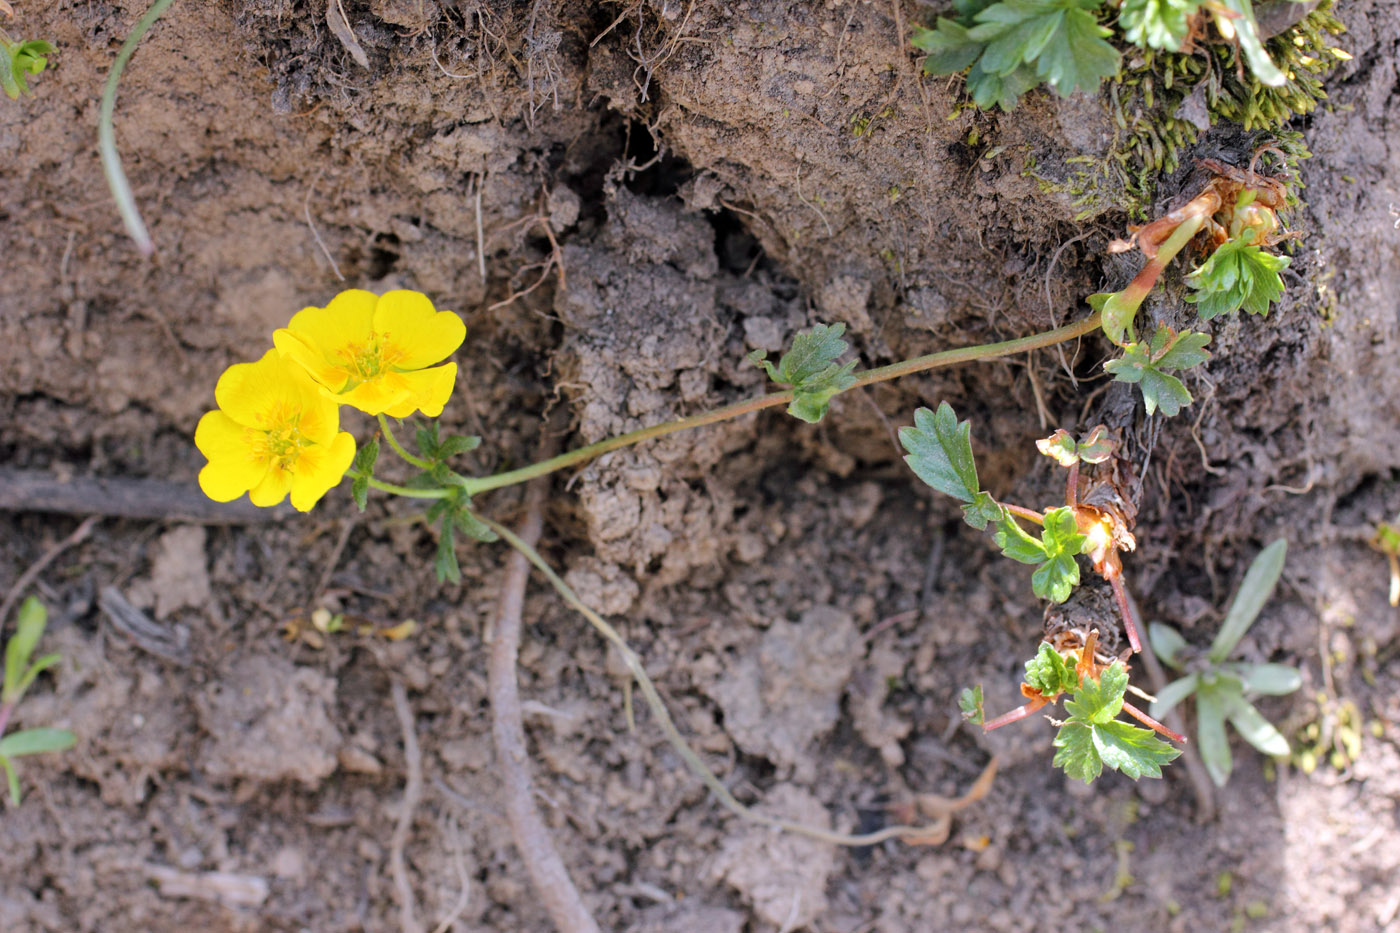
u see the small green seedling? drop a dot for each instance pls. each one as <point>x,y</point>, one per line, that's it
<point>19,61</point>
<point>19,675</point>
<point>811,369</point>
<point>1092,737</point>
<point>1219,685</point>
<point>1387,541</point>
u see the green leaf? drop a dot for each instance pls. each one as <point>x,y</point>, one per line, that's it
<point>19,61</point>
<point>1135,751</point>
<point>40,665</point>
<point>1167,642</point>
<point>1159,389</point>
<point>1255,590</point>
<point>457,444</point>
<point>950,49</point>
<point>1252,725</point>
<point>1246,30</point>
<point>1157,24</point>
<point>1269,679</point>
<point>982,510</point>
<point>11,778</point>
<point>1098,701</point>
<point>29,626</point>
<point>445,563</point>
<point>1387,539</point>
<point>970,703</point>
<point>1172,350</point>
<point>1119,309</point>
<point>1077,753</point>
<point>940,452</point>
<point>36,742</point>
<point>1017,545</point>
<point>359,491</point>
<point>1004,91</point>
<point>811,369</point>
<point>366,457</point>
<point>427,438</point>
<point>1097,446</point>
<point>1059,447</point>
<point>471,526</point>
<point>1057,572</point>
<point>1172,694</point>
<point>1075,56</point>
<point>1214,747</point>
<point>1049,673</point>
<point>1237,275</point>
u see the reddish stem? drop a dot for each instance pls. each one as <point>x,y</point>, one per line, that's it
<point>1030,515</point>
<point>1072,485</point>
<point>1153,724</point>
<point>1016,715</point>
<point>1115,577</point>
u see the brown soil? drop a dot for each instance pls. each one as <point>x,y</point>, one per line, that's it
<point>717,176</point>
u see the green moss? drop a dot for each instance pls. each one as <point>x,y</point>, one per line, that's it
<point>1146,99</point>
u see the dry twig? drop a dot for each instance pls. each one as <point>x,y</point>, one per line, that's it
<point>32,572</point>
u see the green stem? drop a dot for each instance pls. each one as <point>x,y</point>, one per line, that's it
<point>668,726</point>
<point>402,490</point>
<point>869,377</point>
<point>106,136</point>
<point>419,462</point>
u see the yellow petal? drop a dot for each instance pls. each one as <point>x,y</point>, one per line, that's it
<point>419,335</point>
<point>378,394</point>
<point>319,420</point>
<point>319,469</point>
<point>429,390</point>
<point>259,395</point>
<point>299,350</point>
<point>273,488</point>
<point>234,466</point>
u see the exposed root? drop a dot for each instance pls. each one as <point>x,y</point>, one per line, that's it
<point>548,875</point>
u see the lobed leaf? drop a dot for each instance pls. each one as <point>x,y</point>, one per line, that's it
<point>1135,751</point>
<point>811,369</point>
<point>1057,572</point>
<point>1076,752</point>
<point>1150,364</point>
<point>1157,24</point>
<point>1075,55</point>
<point>1049,673</point>
<point>1237,275</point>
<point>1098,701</point>
<point>950,49</point>
<point>1059,447</point>
<point>940,452</point>
<point>970,703</point>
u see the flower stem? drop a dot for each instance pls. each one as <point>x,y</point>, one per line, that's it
<point>869,377</point>
<point>419,462</point>
<point>1030,515</point>
<point>668,726</point>
<point>410,493</point>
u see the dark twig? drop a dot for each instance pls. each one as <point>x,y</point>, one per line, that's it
<point>542,862</point>
<point>32,572</point>
<point>39,491</point>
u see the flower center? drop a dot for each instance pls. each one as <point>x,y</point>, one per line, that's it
<point>280,440</point>
<point>366,361</point>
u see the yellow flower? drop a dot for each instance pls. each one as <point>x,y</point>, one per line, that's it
<point>275,432</point>
<point>372,352</point>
